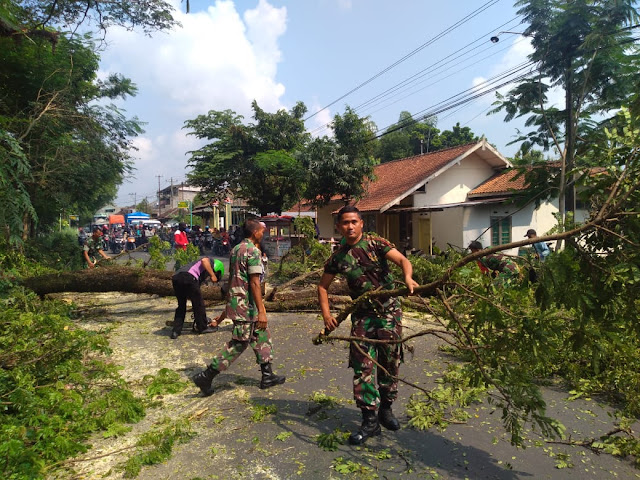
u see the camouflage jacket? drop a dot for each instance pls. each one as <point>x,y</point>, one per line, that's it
<point>92,246</point>
<point>498,263</point>
<point>364,264</point>
<point>246,260</point>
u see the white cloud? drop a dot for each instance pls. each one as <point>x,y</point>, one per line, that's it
<point>215,61</point>
<point>144,149</point>
<point>219,59</point>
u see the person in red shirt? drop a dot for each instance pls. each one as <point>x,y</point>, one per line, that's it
<point>180,237</point>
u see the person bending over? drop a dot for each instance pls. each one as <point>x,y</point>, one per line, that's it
<point>186,285</point>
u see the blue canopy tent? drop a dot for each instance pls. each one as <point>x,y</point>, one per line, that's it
<point>136,217</point>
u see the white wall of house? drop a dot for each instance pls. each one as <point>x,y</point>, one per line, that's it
<point>477,221</point>
<point>326,221</point>
<point>447,227</point>
<point>544,217</point>
<point>453,184</point>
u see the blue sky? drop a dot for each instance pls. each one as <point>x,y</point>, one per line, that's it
<point>228,53</point>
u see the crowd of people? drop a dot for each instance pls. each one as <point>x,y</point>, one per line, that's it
<point>118,237</point>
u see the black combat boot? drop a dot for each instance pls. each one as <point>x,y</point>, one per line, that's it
<point>270,379</point>
<point>386,417</point>
<point>203,380</point>
<point>369,428</point>
<point>207,329</point>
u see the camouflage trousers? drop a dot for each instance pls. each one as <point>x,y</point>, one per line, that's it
<point>509,274</point>
<point>245,334</point>
<point>389,356</point>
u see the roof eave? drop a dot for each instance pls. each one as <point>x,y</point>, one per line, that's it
<point>482,144</point>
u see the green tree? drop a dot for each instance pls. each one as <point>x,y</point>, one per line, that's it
<point>340,166</point>
<point>14,174</point>
<point>77,151</point>
<point>456,136</point>
<point>579,47</point>
<point>43,19</point>
<point>409,137</point>
<point>144,206</point>
<point>255,161</point>
<point>63,147</point>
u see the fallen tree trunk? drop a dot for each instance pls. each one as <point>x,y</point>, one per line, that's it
<point>113,279</point>
<point>156,282</point>
<point>271,296</point>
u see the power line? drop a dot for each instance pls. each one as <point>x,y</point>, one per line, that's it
<point>460,99</point>
<point>448,30</point>
<point>442,78</point>
<point>438,65</point>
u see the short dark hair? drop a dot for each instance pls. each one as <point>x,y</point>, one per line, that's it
<point>250,226</point>
<point>348,209</point>
<point>475,245</point>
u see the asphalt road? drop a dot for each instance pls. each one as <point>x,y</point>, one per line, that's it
<point>243,432</point>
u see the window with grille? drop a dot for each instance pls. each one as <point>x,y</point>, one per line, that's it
<point>500,230</point>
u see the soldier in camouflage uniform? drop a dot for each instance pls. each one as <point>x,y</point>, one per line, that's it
<point>363,260</point>
<point>246,309</point>
<point>505,268</point>
<point>92,248</point>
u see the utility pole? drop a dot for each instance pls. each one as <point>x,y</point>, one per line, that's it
<point>171,195</point>
<point>134,200</point>
<point>159,207</point>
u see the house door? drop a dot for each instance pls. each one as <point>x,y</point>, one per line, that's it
<point>424,235</point>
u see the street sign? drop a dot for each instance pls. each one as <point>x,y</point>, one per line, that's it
<point>183,204</point>
<point>74,217</point>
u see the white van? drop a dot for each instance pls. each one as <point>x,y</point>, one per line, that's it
<point>152,223</point>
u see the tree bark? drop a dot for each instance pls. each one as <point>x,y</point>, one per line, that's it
<point>113,279</point>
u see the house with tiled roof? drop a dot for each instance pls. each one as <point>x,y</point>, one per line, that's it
<point>448,197</point>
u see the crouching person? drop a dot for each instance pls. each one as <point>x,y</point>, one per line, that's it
<point>246,309</point>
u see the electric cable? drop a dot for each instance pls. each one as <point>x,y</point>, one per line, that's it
<point>448,30</point>
<point>490,81</point>
<point>436,65</point>
<point>433,67</point>
<point>453,103</point>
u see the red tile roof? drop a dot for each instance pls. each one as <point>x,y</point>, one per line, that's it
<point>399,176</point>
<point>303,206</point>
<point>499,184</point>
<point>505,181</point>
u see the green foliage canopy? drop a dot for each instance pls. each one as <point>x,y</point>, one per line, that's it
<point>78,151</point>
<point>579,47</point>
<point>340,166</point>
<point>255,161</point>
<point>410,137</point>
